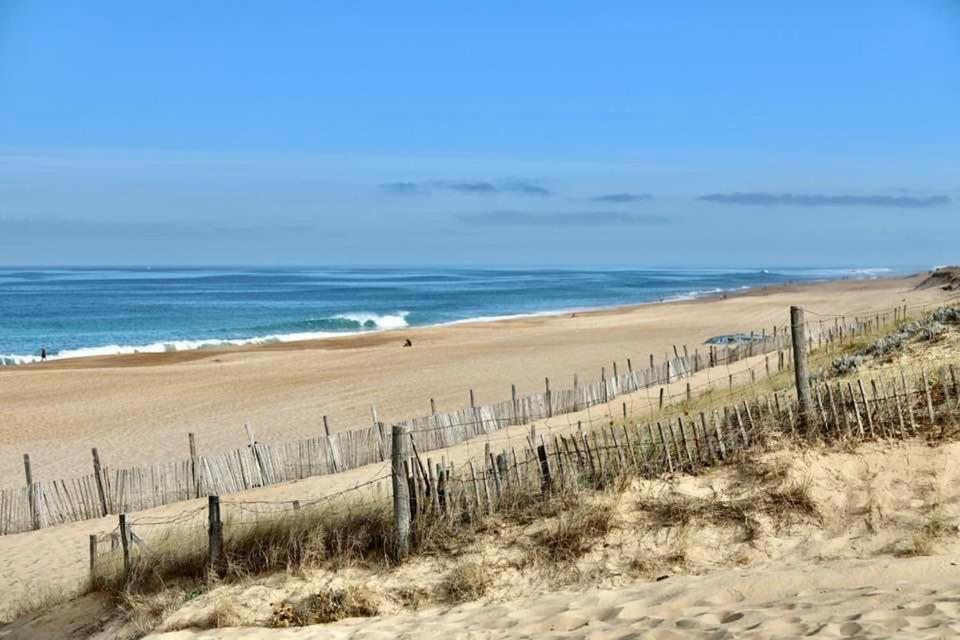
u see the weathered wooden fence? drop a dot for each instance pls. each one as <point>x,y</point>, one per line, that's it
<point>926,404</point>
<point>113,490</point>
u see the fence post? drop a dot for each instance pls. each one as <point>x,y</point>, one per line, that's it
<point>98,473</point>
<point>544,468</point>
<point>331,446</point>
<point>513,396</point>
<point>93,557</point>
<point>125,546</point>
<point>31,495</point>
<point>379,428</point>
<point>802,380</point>
<point>193,464</point>
<point>252,443</point>
<point>547,397</point>
<point>401,496</point>
<point>576,394</point>
<point>214,537</point>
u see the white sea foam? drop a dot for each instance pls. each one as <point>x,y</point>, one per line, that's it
<point>372,322</point>
<point>389,321</point>
<point>378,322</point>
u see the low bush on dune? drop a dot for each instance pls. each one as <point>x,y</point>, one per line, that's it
<point>465,582</point>
<point>326,605</point>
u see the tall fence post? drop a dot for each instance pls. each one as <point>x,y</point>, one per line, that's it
<point>93,557</point>
<point>125,546</point>
<point>401,496</point>
<point>214,537</point>
<point>547,398</point>
<point>98,476</point>
<point>252,443</point>
<point>193,464</point>
<point>801,377</point>
<point>31,494</point>
<point>331,444</point>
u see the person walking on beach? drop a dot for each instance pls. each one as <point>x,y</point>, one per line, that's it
<point>43,354</point>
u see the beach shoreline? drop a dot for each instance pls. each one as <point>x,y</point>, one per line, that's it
<point>145,355</point>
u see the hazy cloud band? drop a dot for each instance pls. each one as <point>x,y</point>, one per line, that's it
<point>468,187</point>
<point>619,198</point>
<point>822,200</point>
<point>579,219</point>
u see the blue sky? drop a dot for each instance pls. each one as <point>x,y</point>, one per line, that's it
<point>736,133</point>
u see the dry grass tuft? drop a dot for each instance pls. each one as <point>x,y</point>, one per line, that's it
<point>358,533</point>
<point>355,533</point>
<point>921,543</point>
<point>678,511</point>
<point>467,581</point>
<point>411,597</point>
<point>36,600</point>
<point>783,505</point>
<point>575,532</point>
<point>327,605</point>
<point>752,470</point>
<point>655,566</point>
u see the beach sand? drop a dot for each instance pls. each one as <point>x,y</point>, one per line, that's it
<point>139,409</point>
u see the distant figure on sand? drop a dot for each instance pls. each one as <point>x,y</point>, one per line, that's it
<point>43,354</point>
<point>407,343</point>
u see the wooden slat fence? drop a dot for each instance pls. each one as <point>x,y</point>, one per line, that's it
<point>47,503</point>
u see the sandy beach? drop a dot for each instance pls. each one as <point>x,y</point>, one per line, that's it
<point>139,409</point>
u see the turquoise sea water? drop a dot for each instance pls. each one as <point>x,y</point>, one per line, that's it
<point>84,311</point>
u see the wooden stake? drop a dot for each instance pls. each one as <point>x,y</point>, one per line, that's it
<point>401,495</point>
<point>214,537</point>
<point>125,545</point>
<point>801,377</point>
<point>193,464</point>
<point>98,476</point>
<point>866,405</point>
<point>926,390</point>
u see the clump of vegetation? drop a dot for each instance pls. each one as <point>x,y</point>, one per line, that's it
<point>946,315</point>
<point>575,532</point>
<point>353,533</point>
<point>783,505</point>
<point>921,543</point>
<point>928,329</point>
<point>326,605</point>
<point>467,581</point>
<point>653,566</point>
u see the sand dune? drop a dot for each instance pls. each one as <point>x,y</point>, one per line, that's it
<point>915,598</point>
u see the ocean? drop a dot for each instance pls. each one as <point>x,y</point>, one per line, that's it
<point>75,312</point>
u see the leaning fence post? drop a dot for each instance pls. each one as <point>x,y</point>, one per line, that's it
<point>401,497</point>
<point>801,378</point>
<point>215,537</point>
<point>98,476</point>
<point>331,445</point>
